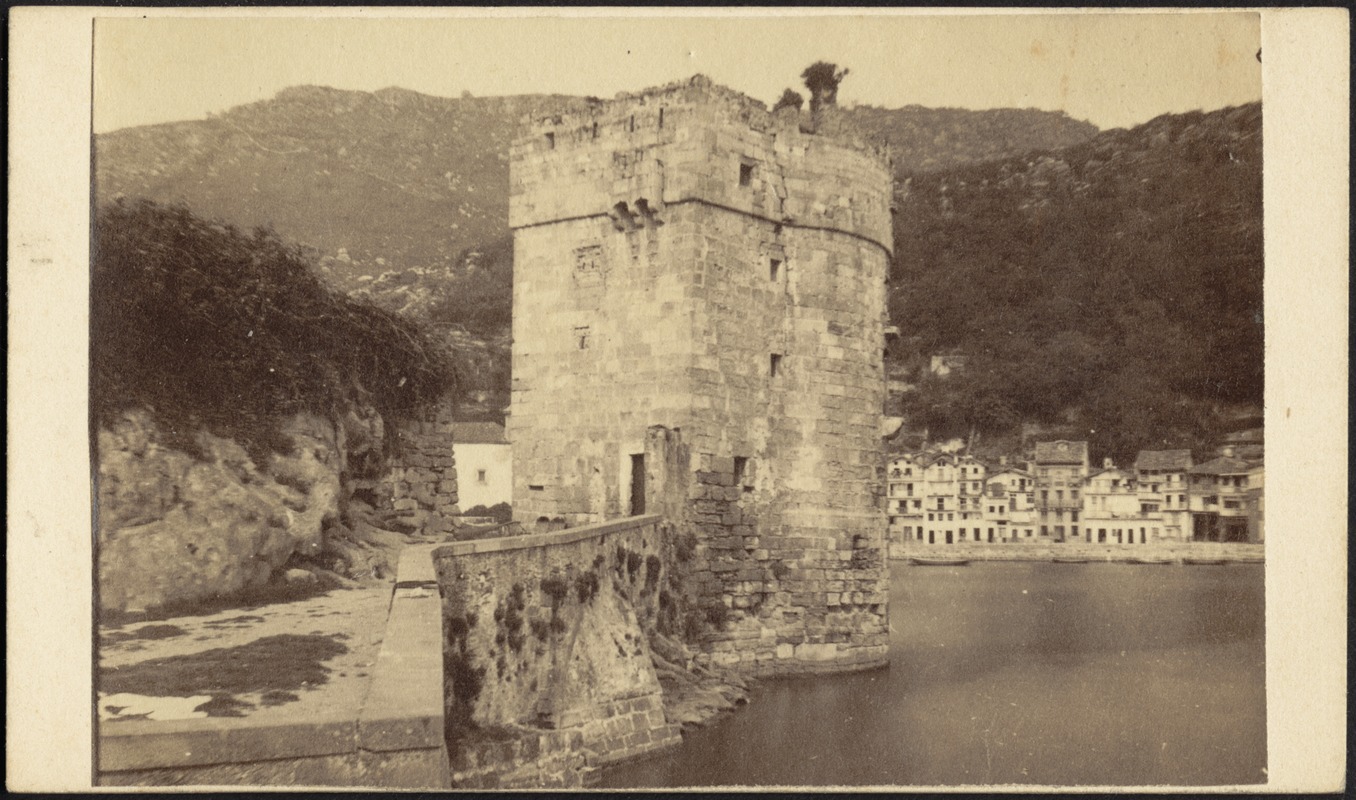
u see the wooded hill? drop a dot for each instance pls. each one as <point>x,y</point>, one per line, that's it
<point>1114,286</point>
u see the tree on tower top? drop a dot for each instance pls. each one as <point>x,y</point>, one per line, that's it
<point>822,79</point>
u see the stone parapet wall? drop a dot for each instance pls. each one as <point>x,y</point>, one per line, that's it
<point>549,632</point>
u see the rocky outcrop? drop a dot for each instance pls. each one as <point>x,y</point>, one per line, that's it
<point>176,528</point>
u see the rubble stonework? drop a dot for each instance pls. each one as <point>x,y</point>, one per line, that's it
<point>421,482</point>
<point>684,258</point>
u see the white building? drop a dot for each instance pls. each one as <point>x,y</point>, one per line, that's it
<point>1008,506</point>
<point>1161,476</point>
<point>484,464</point>
<point>904,496</point>
<point>1112,511</point>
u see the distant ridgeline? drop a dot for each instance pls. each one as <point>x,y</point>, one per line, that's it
<point>398,179</point>
<point>1088,277</point>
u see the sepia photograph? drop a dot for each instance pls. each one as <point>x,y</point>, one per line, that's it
<point>677,400</point>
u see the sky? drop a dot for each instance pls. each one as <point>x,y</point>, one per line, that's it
<point>1114,70</point>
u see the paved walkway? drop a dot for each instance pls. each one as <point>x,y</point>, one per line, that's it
<point>292,660</point>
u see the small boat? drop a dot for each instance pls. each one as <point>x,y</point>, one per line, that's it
<point>1150,560</point>
<point>920,561</point>
<point>1071,560</point>
<point>1199,560</point>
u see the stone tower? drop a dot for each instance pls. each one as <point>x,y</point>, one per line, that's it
<point>684,258</point>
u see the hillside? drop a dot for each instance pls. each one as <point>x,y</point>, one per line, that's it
<point>930,139</point>
<point>372,181</point>
<point>394,179</point>
<point>1114,286</point>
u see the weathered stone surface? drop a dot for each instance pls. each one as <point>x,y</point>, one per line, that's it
<point>421,477</point>
<point>173,528</point>
<point>726,271</point>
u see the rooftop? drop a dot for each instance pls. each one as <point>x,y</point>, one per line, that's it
<point>1061,452</point>
<point>1222,466</point>
<point>1163,460</point>
<point>478,433</point>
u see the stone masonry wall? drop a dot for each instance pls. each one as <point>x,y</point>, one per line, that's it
<point>421,483</point>
<point>686,259</point>
<point>548,633</point>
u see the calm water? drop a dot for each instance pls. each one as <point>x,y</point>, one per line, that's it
<point>1068,674</point>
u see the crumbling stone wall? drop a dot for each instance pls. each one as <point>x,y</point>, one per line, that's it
<point>686,259</point>
<point>421,483</point>
<point>549,633</point>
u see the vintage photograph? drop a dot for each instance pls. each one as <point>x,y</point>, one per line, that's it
<point>678,401</point>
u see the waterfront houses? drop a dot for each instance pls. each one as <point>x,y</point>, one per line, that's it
<point>946,498</point>
<point>1223,509</point>
<point>1162,479</point>
<point>1113,512</point>
<point>1060,468</point>
<point>1009,508</point>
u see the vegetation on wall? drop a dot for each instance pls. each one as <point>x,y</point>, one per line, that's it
<point>213,328</point>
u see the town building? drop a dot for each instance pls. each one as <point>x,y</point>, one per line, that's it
<point>1009,505</point>
<point>945,364</point>
<point>1059,468</point>
<point>484,464</point>
<point>933,499</point>
<point>1162,479</point>
<point>904,496</point>
<point>1256,506</point>
<point>1220,502</point>
<point>941,500</point>
<point>1112,511</point>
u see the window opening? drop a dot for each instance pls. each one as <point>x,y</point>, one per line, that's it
<point>745,174</point>
<point>637,484</point>
<point>740,464</point>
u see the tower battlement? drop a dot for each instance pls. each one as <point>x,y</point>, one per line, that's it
<point>630,109</point>
<point>698,142</point>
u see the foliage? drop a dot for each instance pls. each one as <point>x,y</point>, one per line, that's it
<point>1115,286</point>
<point>213,328</point>
<point>499,512</point>
<point>789,99</point>
<point>822,79</point>
<point>479,298</point>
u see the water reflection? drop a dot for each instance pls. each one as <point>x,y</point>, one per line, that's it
<point>1069,674</point>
